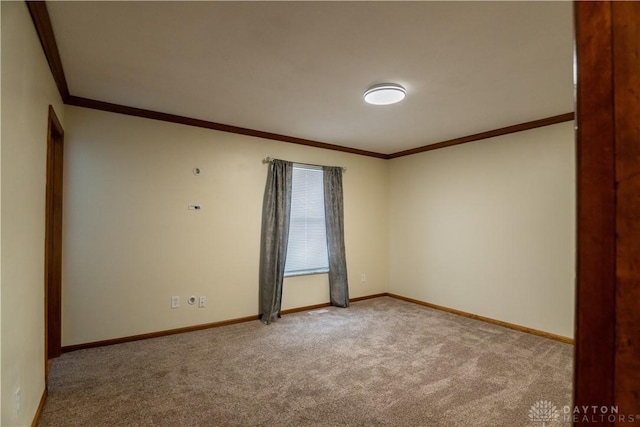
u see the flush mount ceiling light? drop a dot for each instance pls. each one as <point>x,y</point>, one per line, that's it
<point>385,94</point>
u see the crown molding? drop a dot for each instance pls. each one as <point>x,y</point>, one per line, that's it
<point>42,22</point>
<point>489,134</point>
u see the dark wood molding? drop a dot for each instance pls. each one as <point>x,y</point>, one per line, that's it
<point>595,291</point>
<point>366,297</point>
<point>508,325</point>
<point>306,308</point>
<point>75,347</point>
<point>327,304</point>
<point>626,106</point>
<point>155,115</point>
<point>53,239</point>
<point>607,358</point>
<point>70,348</point>
<point>489,134</point>
<point>54,122</point>
<point>42,22</point>
<point>36,417</point>
<point>40,16</point>
<point>172,118</point>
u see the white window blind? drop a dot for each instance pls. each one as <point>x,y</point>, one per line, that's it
<point>307,246</point>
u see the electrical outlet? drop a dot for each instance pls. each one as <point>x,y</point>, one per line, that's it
<point>202,303</point>
<point>363,278</point>
<point>175,302</point>
<point>16,401</point>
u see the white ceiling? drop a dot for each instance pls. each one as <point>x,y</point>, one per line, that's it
<point>300,68</point>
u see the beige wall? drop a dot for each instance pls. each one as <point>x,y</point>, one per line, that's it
<point>130,243</point>
<point>489,228</point>
<point>486,228</point>
<point>500,211</point>
<point>27,91</point>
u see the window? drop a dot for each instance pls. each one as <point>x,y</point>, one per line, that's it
<point>307,246</point>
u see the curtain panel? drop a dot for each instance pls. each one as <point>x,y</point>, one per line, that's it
<point>334,217</point>
<point>276,213</point>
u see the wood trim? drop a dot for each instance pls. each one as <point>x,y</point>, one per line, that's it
<point>595,291</point>
<point>172,118</point>
<point>53,239</point>
<point>70,348</point>
<point>36,417</point>
<point>75,347</point>
<point>40,16</point>
<point>366,297</point>
<point>327,304</point>
<point>41,20</point>
<point>54,121</point>
<point>307,308</point>
<point>626,118</point>
<point>489,134</point>
<point>513,326</point>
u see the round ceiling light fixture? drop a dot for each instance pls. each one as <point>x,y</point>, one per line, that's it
<point>385,94</point>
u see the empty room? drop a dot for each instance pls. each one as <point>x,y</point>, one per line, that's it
<point>307,214</point>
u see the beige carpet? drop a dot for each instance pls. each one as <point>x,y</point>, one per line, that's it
<point>381,362</point>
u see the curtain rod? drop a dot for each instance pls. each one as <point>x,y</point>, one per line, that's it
<point>267,160</point>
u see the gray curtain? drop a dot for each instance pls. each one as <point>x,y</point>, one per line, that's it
<point>276,213</point>
<point>334,215</point>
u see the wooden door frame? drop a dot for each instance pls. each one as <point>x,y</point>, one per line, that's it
<point>53,240</point>
<point>607,349</point>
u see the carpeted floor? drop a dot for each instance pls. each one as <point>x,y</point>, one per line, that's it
<point>381,362</point>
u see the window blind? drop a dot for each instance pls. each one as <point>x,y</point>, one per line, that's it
<point>307,246</point>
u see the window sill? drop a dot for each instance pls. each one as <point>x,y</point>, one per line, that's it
<point>306,273</point>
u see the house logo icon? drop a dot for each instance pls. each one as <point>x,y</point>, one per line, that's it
<point>543,411</point>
